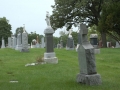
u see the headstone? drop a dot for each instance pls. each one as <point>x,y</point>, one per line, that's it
<point>70,41</point>
<point>37,43</point>
<point>61,43</point>
<point>3,43</point>
<point>33,43</point>
<point>42,42</point>
<point>94,42</point>
<point>19,43</point>
<point>24,41</point>
<point>9,42</point>
<point>58,45</point>
<point>117,45</point>
<point>88,73</point>
<point>49,55</point>
<point>13,42</point>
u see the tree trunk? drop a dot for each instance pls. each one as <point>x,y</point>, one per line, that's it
<point>103,37</point>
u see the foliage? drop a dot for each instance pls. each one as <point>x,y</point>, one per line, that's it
<point>110,20</point>
<point>5,29</point>
<point>73,11</point>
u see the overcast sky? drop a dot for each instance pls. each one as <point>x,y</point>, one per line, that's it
<point>32,13</point>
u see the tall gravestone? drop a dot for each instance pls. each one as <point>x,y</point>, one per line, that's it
<point>88,73</point>
<point>37,43</point>
<point>94,42</point>
<point>42,42</point>
<point>19,43</point>
<point>9,42</point>
<point>13,42</point>
<point>61,43</point>
<point>49,55</point>
<point>24,41</point>
<point>3,43</point>
<point>70,41</point>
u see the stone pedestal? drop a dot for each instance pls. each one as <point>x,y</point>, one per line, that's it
<point>94,79</point>
<point>49,55</point>
<point>86,57</point>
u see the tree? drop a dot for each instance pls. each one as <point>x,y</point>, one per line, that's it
<point>71,12</point>
<point>110,20</point>
<point>5,29</point>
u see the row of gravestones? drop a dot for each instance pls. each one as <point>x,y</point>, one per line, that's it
<point>88,73</point>
<point>35,43</point>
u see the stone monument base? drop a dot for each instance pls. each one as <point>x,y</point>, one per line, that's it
<point>94,79</point>
<point>50,58</point>
<point>97,51</point>
<point>24,50</point>
<point>67,48</point>
<point>18,47</point>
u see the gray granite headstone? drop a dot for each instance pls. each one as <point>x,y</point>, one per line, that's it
<point>13,42</point>
<point>19,43</point>
<point>88,73</point>
<point>61,43</point>
<point>9,42</point>
<point>42,42</point>
<point>3,43</point>
<point>49,55</point>
<point>94,42</point>
<point>24,41</point>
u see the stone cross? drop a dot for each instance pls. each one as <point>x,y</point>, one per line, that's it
<point>88,73</point>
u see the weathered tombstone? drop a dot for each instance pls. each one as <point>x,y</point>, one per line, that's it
<point>58,45</point>
<point>77,47</point>
<point>19,43</point>
<point>88,73</point>
<point>117,45</point>
<point>70,41</point>
<point>61,43</point>
<point>9,42</point>
<point>37,43</point>
<point>42,42</point>
<point>94,42</point>
<point>13,42</point>
<point>3,43</point>
<point>24,41</point>
<point>49,55</point>
<point>33,43</point>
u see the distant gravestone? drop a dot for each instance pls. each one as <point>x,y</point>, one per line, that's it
<point>3,43</point>
<point>117,45</point>
<point>94,42</point>
<point>42,42</point>
<point>70,41</point>
<point>33,43</point>
<point>49,55</point>
<point>61,43</point>
<point>58,45</point>
<point>13,42</point>
<point>88,74</point>
<point>9,42</point>
<point>19,43</point>
<point>24,41</point>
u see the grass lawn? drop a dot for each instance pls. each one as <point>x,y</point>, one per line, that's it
<point>61,76</point>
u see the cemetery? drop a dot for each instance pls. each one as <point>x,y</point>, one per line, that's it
<point>84,59</point>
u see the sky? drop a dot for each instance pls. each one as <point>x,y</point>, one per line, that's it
<point>32,13</point>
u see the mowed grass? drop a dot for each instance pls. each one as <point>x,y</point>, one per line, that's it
<point>61,76</point>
